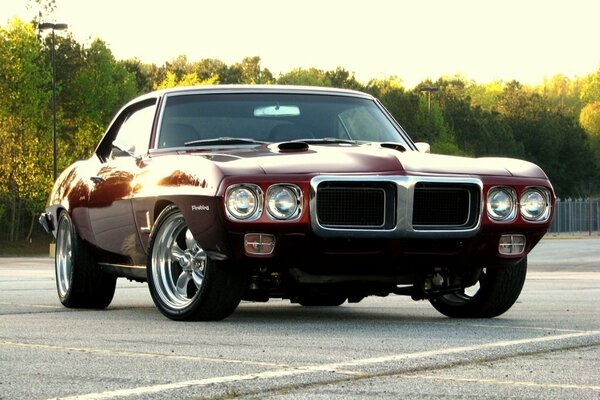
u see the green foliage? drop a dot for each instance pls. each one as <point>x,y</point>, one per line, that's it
<point>24,96</point>
<point>306,77</point>
<point>589,118</point>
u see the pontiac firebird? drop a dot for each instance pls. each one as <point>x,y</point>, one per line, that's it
<point>219,194</point>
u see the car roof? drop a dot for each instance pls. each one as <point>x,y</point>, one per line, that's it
<point>287,89</point>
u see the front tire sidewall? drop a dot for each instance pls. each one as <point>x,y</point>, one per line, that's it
<point>79,281</point>
<point>216,298</point>
<point>497,293</point>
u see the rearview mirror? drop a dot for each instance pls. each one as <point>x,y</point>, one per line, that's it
<point>277,111</point>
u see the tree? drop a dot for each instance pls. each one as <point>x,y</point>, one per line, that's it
<point>341,78</point>
<point>24,128</point>
<point>308,77</point>
<point>251,71</point>
<point>589,118</point>
<point>590,91</point>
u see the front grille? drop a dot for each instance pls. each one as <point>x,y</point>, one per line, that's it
<point>396,207</point>
<point>343,205</point>
<point>445,206</point>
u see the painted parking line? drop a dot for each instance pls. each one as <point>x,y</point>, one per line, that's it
<point>332,367</point>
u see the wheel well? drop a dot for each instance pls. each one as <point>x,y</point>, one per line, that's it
<point>160,206</point>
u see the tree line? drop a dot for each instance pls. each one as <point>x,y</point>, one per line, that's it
<point>555,124</point>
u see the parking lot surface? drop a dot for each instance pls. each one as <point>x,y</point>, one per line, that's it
<point>547,346</point>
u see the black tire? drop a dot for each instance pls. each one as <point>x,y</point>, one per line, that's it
<point>321,300</point>
<point>498,290</point>
<point>79,281</point>
<point>185,284</point>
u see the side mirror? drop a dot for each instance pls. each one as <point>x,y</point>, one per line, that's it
<point>118,151</point>
<point>423,147</point>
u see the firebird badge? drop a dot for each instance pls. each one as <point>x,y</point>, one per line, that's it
<point>201,207</point>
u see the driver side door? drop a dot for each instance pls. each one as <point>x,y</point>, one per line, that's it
<point>109,207</point>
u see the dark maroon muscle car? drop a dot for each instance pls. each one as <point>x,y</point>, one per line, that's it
<point>215,195</point>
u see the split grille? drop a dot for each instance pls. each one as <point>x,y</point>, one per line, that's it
<point>373,205</point>
<point>445,206</point>
<point>351,207</point>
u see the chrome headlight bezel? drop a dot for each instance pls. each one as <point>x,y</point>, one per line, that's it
<point>234,202</point>
<point>502,194</point>
<point>279,194</point>
<point>535,210</point>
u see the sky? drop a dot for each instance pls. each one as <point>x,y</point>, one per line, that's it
<point>414,40</point>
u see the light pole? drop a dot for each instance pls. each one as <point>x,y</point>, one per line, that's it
<point>53,27</point>
<point>429,90</point>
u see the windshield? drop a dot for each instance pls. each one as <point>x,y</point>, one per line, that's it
<point>206,119</point>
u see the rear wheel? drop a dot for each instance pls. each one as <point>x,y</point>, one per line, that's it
<point>494,293</point>
<point>184,282</point>
<point>79,281</point>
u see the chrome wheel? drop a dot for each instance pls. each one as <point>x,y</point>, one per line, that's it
<point>79,281</point>
<point>185,284</point>
<point>179,264</point>
<point>64,258</point>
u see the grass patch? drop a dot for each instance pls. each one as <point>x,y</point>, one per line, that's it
<point>36,247</point>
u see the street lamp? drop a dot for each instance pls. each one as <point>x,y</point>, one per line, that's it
<point>429,90</point>
<point>53,27</point>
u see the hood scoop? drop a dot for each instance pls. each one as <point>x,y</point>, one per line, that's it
<point>292,147</point>
<point>393,146</point>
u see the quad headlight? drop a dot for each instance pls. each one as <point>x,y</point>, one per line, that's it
<point>502,204</point>
<point>244,201</point>
<point>535,204</point>
<point>283,201</point>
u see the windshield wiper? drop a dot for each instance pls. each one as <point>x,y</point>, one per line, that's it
<point>221,141</point>
<point>327,141</point>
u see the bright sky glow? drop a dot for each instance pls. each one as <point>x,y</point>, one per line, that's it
<point>526,40</point>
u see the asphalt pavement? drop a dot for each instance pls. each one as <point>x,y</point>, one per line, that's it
<point>546,347</point>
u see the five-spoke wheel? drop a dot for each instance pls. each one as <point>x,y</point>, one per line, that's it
<point>79,281</point>
<point>184,282</point>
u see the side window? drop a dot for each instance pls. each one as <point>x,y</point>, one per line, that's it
<point>134,134</point>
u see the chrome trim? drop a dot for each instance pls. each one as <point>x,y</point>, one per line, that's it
<point>405,189</point>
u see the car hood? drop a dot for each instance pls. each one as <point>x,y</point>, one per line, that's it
<point>334,159</point>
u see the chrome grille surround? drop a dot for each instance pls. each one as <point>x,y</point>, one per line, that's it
<point>395,219</point>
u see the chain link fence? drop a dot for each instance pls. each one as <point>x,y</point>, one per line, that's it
<point>577,217</point>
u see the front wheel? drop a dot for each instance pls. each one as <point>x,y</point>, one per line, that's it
<point>185,284</point>
<point>494,293</point>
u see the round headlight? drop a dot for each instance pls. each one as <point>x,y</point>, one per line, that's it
<point>501,204</point>
<point>242,202</point>
<point>534,205</point>
<point>283,201</point>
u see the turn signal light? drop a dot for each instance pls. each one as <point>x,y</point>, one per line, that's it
<point>259,243</point>
<point>511,245</point>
